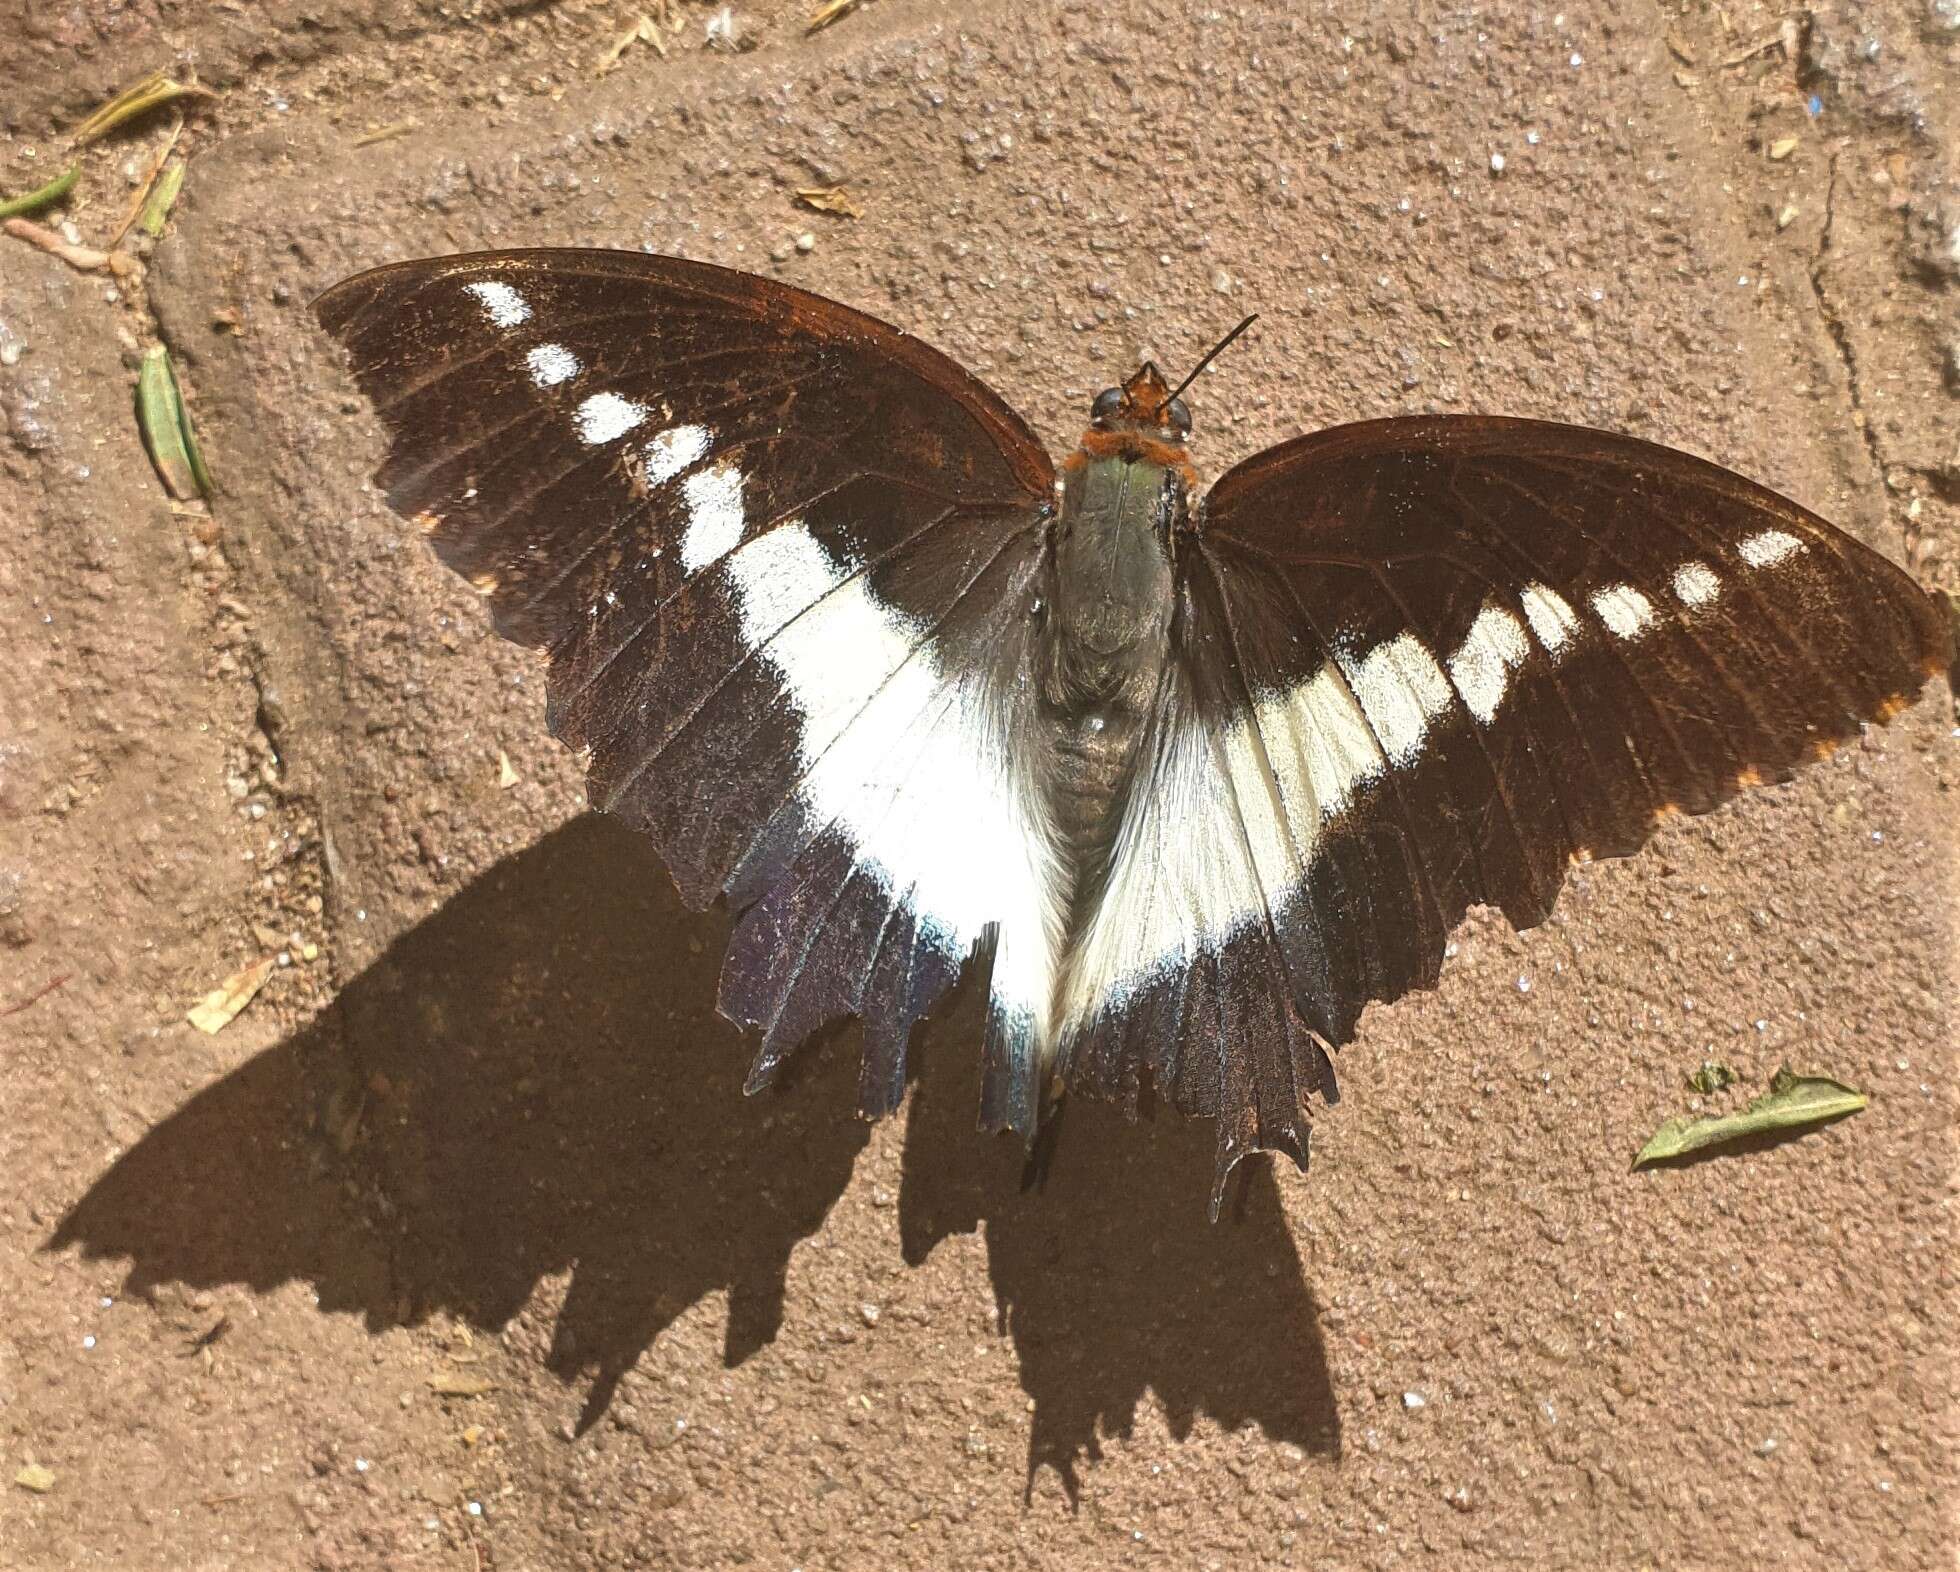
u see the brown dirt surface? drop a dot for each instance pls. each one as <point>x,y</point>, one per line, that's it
<point>505,1271</point>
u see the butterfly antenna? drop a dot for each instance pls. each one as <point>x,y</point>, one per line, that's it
<point>1216,350</point>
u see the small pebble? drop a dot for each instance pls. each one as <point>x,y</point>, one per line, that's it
<point>1414,1400</point>
<point>806,241</point>
<point>89,1341</point>
<point>1497,163</point>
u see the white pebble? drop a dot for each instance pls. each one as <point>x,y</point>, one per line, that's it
<point>1414,1400</point>
<point>1497,163</point>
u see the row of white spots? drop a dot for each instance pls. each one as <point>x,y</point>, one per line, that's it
<point>552,364</point>
<point>1552,620</point>
<point>1626,612</point>
<point>1696,584</point>
<point>1770,547</point>
<point>714,515</point>
<point>669,452</point>
<point>1402,689</point>
<point>605,417</point>
<point>1495,646</point>
<point>911,763</point>
<point>504,306</point>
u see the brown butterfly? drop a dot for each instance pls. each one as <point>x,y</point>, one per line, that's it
<point>1197,775</point>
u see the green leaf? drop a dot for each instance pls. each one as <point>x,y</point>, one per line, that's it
<point>167,428</point>
<point>1793,1102</point>
<point>32,201</point>
<point>156,208</point>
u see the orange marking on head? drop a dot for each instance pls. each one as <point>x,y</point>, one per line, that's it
<point>1581,854</point>
<point>1666,811</point>
<point>1750,776</point>
<point>428,521</point>
<point>1822,748</point>
<point>1136,446</point>
<point>1890,705</point>
<point>485,583</point>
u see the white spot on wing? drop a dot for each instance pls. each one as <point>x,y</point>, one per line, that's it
<point>1553,622</point>
<point>1624,610</point>
<point>504,306</point>
<point>1696,584</point>
<point>714,515</point>
<point>1769,547</point>
<point>552,364</point>
<point>605,416</point>
<point>669,452</point>
<point>909,762</point>
<point>1401,689</point>
<point>1495,646</point>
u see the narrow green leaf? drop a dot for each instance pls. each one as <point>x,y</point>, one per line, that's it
<point>1793,1102</point>
<point>33,201</point>
<point>166,428</point>
<point>163,195</point>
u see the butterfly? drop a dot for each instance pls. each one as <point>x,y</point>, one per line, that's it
<point>1195,776</point>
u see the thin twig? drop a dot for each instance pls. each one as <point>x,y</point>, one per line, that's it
<point>86,258</point>
<point>37,996</point>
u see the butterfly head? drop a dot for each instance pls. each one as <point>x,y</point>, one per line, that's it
<point>1142,404</point>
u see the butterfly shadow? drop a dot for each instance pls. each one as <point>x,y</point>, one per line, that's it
<point>532,1082</point>
<point>1107,1274</point>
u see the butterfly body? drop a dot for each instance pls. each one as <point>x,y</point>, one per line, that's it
<point>1192,779</point>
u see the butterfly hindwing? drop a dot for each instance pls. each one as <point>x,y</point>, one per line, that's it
<point>1424,663</point>
<point>778,554</point>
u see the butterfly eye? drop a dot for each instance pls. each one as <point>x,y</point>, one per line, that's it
<point>1180,417</point>
<point>1107,403</point>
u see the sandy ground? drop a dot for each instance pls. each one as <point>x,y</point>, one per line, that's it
<point>483,1130</point>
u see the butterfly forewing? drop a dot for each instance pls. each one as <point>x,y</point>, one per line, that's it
<point>1426,662</point>
<point>778,553</point>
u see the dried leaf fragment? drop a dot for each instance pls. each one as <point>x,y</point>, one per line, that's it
<point>644,31</point>
<point>35,1477</point>
<point>830,199</point>
<point>1793,1102</point>
<point>1679,48</point>
<point>218,1008</point>
<point>1782,147</point>
<point>1713,1076</point>
<point>829,12</point>
<point>139,98</point>
<point>385,133</point>
<point>167,431</point>
<point>459,1383</point>
<point>43,196</point>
